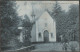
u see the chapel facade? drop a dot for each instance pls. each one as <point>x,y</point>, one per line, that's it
<point>44,29</point>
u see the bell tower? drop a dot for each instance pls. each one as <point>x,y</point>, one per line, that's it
<point>33,19</point>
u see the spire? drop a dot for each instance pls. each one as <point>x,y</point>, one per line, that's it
<point>33,15</point>
<point>45,7</point>
<point>56,4</point>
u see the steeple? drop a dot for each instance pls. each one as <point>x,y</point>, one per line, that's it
<point>33,14</point>
<point>45,7</point>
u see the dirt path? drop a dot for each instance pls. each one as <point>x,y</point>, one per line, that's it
<point>48,47</point>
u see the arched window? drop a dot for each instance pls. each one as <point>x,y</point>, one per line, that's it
<point>52,35</point>
<point>39,35</point>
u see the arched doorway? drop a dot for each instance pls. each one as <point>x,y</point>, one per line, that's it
<point>46,36</point>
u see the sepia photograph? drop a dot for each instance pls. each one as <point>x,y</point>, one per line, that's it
<point>39,26</point>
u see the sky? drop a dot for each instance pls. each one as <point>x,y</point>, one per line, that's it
<point>25,7</point>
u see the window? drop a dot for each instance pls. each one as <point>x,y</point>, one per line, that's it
<point>39,35</point>
<point>45,24</point>
<point>52,35</point>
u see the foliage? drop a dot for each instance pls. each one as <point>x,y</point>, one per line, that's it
<point>73,22</point>
<point>67,23</point>
<point>9,21</point>
<point>27,30</point>
<point>58,15</point>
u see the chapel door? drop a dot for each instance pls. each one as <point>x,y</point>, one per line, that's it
<point>46,36</point>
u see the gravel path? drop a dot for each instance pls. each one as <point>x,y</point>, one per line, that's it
<point>48,47</point>
<point>54,47</point>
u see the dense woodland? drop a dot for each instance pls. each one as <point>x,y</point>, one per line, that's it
<point>67,24</point>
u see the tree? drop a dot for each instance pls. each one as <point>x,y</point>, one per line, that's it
<point>59,15</point>
<point>73,22</point>
<point>9,22</point>
<point>27,27</point>
<point>66,22</point>
<point>56,9</point>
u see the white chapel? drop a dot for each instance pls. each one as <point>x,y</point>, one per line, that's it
<point>44,29</point>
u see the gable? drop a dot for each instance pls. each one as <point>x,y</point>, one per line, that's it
<point>45,16</point>
<point>45,22</point>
